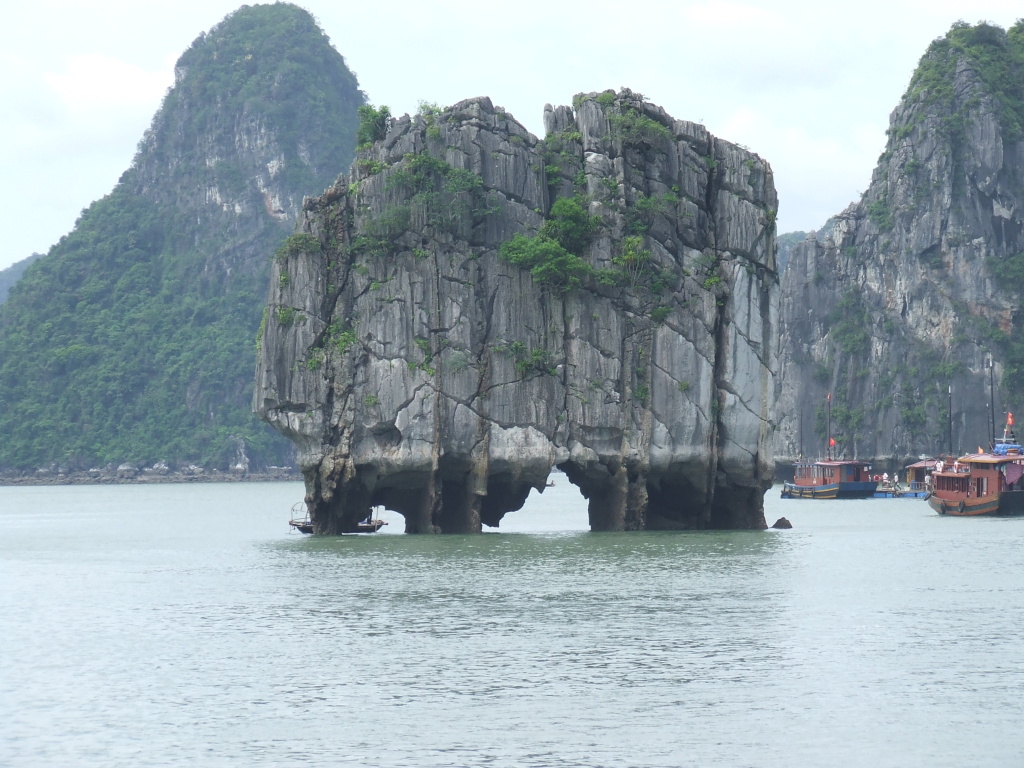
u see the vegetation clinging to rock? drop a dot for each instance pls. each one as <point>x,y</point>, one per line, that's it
<point>997,56</point>
<point>553,256</point>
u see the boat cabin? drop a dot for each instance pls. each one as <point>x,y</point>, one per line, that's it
<point>979,475</point>
<point>982,483</point>
<point>831,472</point>
<point>918,472</point>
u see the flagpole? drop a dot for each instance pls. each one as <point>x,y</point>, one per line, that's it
<point>828,450</point>
<point>992,398</point>
<point>950,419</point>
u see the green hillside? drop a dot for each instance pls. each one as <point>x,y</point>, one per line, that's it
<point>133,338</point>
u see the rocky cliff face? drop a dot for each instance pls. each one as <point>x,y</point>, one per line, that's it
<point>421,362</point>
<point>906,294</point>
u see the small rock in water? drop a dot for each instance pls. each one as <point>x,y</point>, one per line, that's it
<point>782,523</point>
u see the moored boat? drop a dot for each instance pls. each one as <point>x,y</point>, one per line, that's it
<point>914,485</point>
<point>983,483</point>
<point>300,519</point>
<point>918,480</point>
<point>304,524</point>
<point>830,479</point>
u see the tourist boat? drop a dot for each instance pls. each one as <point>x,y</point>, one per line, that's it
<point>830,479</point>
<point>304,524</point>
<point>982,483</point>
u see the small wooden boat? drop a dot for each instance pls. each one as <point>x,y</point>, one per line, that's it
<point>300,519</point>
<point>917,481</point>
<point>302,522</point>
<point>302,526</point>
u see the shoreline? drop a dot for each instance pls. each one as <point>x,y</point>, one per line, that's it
<point>150,478</point>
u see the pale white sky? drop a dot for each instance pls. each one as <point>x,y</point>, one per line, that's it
<point>806,84</point>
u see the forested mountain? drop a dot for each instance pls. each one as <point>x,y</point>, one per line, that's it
<point>13,273</point>
<point>133,338</point>
<point>896,305</point>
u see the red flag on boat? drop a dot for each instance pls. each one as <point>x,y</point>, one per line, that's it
<point>1009,419</point>
<point>832,442</point>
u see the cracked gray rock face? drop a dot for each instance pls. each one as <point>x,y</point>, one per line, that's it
<point>416,368</point>
<point>898,303</point>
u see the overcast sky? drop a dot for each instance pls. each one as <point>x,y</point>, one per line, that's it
<point>808,85</point>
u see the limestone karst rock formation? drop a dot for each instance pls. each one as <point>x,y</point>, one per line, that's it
<point>907,293</point>
<point>416,367</point>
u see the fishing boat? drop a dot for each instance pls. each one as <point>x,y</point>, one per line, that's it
<point>830,478</point>
<point>982,483</point>
<point>302,522</point>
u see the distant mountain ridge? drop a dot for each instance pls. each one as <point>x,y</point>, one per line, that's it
<point>896,305</point>
<point>133,339</point>
<point>13,273</point>
<point>786,243</point>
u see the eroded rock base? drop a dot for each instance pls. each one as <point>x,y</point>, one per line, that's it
<point>620,500</point>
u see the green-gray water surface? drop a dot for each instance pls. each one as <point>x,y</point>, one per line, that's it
<point>184,625</point>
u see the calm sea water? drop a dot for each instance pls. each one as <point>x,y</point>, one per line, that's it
<point>180,625</point>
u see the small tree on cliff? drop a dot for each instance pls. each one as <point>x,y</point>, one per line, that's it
<point>553,256</point>
<point>373,124</point>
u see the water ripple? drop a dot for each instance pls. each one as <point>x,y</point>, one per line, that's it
<point>135,634</point>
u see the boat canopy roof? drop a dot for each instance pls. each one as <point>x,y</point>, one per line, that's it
<point>831,462</point>
<point>989,458</point>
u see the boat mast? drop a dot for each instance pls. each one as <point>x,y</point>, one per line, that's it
<point>801,412</point>
<point>950,419</point>
<point>992,398</point>
<point>828,409</point>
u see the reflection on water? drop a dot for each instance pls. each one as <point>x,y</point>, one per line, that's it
<point>184,625</point>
